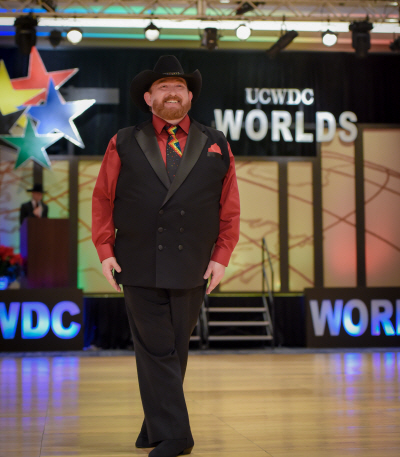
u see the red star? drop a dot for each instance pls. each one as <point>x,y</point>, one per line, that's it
<point>38,78</point>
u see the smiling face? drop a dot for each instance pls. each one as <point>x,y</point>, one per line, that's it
<point>169,98</point>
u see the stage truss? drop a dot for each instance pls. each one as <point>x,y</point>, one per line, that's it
<point>378,11</point>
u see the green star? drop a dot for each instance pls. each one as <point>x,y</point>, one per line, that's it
<point>32,146</point>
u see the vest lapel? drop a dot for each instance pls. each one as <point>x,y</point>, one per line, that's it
<point>147,141</point>
<point>195,143</point>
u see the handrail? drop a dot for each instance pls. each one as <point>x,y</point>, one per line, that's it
<point>265,282</point>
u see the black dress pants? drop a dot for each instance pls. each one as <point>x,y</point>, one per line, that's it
<point>161,322</point>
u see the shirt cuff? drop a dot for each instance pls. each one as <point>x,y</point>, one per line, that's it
<point>221,255</point>
<point>105,251</point>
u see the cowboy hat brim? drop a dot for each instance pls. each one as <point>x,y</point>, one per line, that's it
<point>37,189</point>
<point>143,81</point>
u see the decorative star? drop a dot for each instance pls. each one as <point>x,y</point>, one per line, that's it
<point>10,98</point>
<point>58,115</point>
<point>32,146</point>
<point>8,121</point>
<point>38,78</point>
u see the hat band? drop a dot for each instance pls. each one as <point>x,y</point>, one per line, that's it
<point>173,73</point>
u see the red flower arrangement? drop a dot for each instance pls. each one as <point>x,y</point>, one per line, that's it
<point>10,263</point>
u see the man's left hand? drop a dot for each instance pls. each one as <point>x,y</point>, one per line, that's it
<point>217,271</point>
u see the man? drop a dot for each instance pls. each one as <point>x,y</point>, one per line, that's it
<point>35,207</point>
<point>168,187</point>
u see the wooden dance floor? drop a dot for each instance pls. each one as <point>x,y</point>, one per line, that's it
<point>242,405</point>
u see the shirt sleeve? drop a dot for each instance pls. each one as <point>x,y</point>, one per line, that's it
<point>103,229</point>
<point>229,216</point>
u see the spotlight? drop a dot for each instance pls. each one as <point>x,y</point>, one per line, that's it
<point>74,36</point>
<point>25,33</point>
<point>395,45</point>
<point>245,8</point>
<point>151,32</point>
<point>361,40</point>
<point>282,43</point>
<point>210,38</point>
<point>243,32</point>
<point>55,38</point>
<point>329,38</point>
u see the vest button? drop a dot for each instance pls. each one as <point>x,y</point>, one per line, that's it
<point>181,229</point>
<point>182,213</point>
<point>180,247</point>
<point>160,229</point>
<point>161,211</point>
<point>160,247</point>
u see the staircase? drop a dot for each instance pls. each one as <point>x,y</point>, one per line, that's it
<point>237,317</point>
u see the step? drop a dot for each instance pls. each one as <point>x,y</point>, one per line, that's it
<point>235,310</point>
<point>240,338</point>
<point>194,338</point>
<point>238,323</point>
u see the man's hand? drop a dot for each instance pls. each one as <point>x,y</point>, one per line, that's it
<point>36,211</point>
<point>217,271</point>
<point>108,265</point>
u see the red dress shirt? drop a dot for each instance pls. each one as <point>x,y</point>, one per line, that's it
<point>103,229</point>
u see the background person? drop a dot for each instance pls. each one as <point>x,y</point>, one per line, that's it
<point>35,207</point>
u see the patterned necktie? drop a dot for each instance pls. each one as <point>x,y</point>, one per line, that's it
<point>174,152</point>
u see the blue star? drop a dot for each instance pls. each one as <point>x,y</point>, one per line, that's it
<point>58,115</point>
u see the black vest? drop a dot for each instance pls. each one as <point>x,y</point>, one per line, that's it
<point>166,231</point>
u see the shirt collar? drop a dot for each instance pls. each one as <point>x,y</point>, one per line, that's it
<point>159,124</point>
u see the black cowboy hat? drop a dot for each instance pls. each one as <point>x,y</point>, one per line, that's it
<point>166,66</point>
<point>36,188</point>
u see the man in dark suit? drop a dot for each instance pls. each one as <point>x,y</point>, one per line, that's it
<point>35,207</point>
<point>168,189</point>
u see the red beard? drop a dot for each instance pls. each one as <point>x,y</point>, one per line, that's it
<point>171,113</point>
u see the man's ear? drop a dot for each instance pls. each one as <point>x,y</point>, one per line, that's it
<point>147,98</point>
<point>190,95</point>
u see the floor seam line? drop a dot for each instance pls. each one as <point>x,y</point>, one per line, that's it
<point>44,429</point>
<point>248,439</point>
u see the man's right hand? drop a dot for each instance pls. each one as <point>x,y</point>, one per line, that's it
<point>108,265</point>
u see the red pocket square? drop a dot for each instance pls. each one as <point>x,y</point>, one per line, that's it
<point>215,148</point>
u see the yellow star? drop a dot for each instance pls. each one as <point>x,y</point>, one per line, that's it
<point>11,98</point>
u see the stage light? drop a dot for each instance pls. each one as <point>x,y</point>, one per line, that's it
<point>245,8</point>
<point>74,35</point>
<point>395,45</point>
<point>25,33</point>
<point>55,38</point>
<point>243,32</point>
<point>210,38</point>
<point>152,32</point>
<point>329,38</point>
<point>282,43</point>
<point>361,40</point>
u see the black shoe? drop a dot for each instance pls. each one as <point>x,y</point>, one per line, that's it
<point>173,448</point>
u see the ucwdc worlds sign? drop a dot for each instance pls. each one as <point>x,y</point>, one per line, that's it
<point>267,116</point>
<point>41,320</point>
<point>360,317</point>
